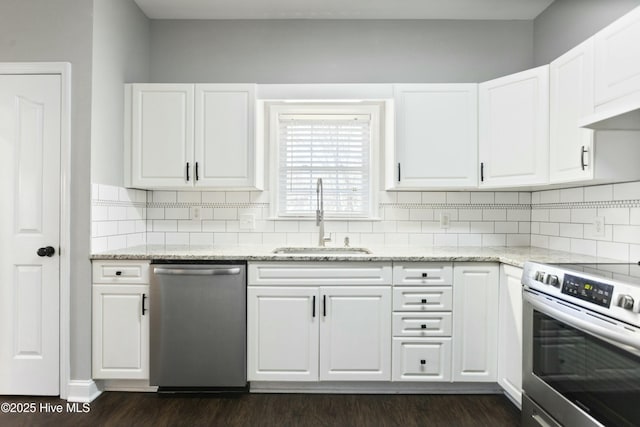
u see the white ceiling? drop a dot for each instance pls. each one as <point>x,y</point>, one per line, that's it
<point>343,9</point>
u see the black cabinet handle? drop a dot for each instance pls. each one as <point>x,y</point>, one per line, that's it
<point>197,176</point>
<point>423,362</point>
<point>144,309</point>
<point>399,174</point>
<point>424,275</point>
<point>313,307</point>
<point>187,171</point>
<point>47,251</point>
<point>423,326</point>
<point>481,171</point>
<point>583,150</point>
<point>118,273</point>
<point>324,305</point>
<point>424,301</point>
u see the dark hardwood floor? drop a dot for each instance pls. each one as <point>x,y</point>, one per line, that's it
<point>254,410</point>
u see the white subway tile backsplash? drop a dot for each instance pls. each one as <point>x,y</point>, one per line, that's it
<point>583,246</point>
<point>225,239</point>
<point>494,214</point>
<point>559,215</point>
<point>572,230</point>
<point>458,197</point>
<point>626,191</point>
<point>116,242</point>
<point>470,240</point>
<point>201,239</point>
<point>396,214</point>
<point>213,197</point>
<point>99,213</point>
<point>225,213</point>
<point>524,198</point>
<point>550,228</point>
<point>117,213</point>
<point>458,227</point>
<point>613,250</point>
<point>126,227</point>
<point>559,243</point>
<point>507,197</point>
<point>365,226</point>
<point>249,239</point>
<point>176,238</point>
<point>524,228</point>
<point>274,239</point>
<point>286,226</point>
<point>409,197</point>
<point>470,214</point>
<point>572,195</point>
<point>189,226</point>
<point>626,233</point>
<point>385,227</point>
<point>214,226</point>
<point>518,215</point>
<point>431,227</point>
<point>540,215</point>
<point>506,227</point>
<point>238,197</point>
<point>484,197</point>
<point>387,197</point>
<point>420,214</point>
<point>176,213</point>
<point>165,225</point>
<point>590,232</point>
<point>453,214</point>
<point>550,196</point>
<point>260,197</point>
<point>480,227</point>
<point>155,238</point>
<point>494,240</point>
<point>165,196</point>
<point>540,241</point>
<point>434,197</point>
<point>445,240</point>
<point>107,228</point>
<point>334,226</point>
<point>420,239</point>
<point>408,227</point>
<point>598,193</point>
<point>396,239</point>
<point>374,239</point>
<point>518,239</point>
<point>189,197</point>
<point>301,239</point>
<point>614,215</point>
<point>583,216</point>
<point>108,193</point>
<point>135,239</point>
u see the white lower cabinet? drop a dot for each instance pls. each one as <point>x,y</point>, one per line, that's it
<point>120,320</point>
<point>475,322</point>
<point>309,333</point>
<point>422,359</point>
<point>510,332</point>
<point>120,332</point>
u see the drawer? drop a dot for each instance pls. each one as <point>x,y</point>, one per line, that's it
<point>319,273</point>
<point>421,359</point>
<point>422,324</point>
<point>423,273</point>
<point>433,298</point>
<point>121,272</point>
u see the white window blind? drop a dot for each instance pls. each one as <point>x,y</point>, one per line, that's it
<point>334,147</point>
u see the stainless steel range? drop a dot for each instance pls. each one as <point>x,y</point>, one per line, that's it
<point>581,345</point>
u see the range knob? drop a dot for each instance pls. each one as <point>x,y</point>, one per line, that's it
<point>553,281</point>
<point>539,276</point>
<point>626,302</point>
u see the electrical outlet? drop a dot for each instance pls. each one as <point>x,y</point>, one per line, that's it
<point>445,219</point>
<point>247,222</point>
<point>598,226</point>
<point>195,212</point>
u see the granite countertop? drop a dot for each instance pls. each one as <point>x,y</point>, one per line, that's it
<point>515,256</point>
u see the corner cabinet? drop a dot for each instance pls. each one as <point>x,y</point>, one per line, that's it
<point>120,327</point>
<point>514,129</point>
<point>475,322</point>
<point>436,137</point>
<point>510,333</point>
<point>185,136</point>
<point>319,321</point>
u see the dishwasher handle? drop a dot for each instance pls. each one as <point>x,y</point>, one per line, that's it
<point>198,272</point>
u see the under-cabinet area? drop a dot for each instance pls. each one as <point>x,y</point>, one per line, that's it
<point>336,322</point>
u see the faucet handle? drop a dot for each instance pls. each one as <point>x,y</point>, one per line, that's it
<point>346,242</point>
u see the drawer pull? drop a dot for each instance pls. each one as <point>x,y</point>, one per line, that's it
<point>423,326</point>
<point>424,275</point>
<point>424,301</point>
<point>118,273</point>
<point>423,362</point>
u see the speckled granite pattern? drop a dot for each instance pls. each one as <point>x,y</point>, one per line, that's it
<point>515,256</point>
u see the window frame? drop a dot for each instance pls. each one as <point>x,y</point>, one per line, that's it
<point>342,107</point>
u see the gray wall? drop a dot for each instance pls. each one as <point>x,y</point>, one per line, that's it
<point>339,51</point>
<point>567,23</point>
<point>45,30</point>
<point>120,55</point>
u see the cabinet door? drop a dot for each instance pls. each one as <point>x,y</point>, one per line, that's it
<point>224,138</point>
<point>282,333</point>
<point>355,333</point>
<point>161,135</point>
<point>514,129</point>
<point>120,332</point>
<point>475,322</point>
<point>617,62</point>
<point>510,332</point>
<point>571,87</point>
<point>436,136</point>
<point>422,359</point>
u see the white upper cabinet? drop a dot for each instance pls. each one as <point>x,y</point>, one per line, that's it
<point>225,150</point>
<point>571,97</point>
<point>161,135</point>
<point>514,129</point>
<point>436,137</point>
<point>185,136</point>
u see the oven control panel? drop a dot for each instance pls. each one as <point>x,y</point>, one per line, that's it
<point>588,290</point>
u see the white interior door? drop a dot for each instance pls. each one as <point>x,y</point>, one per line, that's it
<point>29,219</point>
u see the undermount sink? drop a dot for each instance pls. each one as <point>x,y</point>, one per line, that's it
<point>321,251</point>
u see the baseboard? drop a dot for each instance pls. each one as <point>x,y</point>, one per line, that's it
<point>367,387</point>
<point>128,385</point>
<point>82,391</point>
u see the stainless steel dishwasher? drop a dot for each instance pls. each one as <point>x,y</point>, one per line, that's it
<point>198,327</point>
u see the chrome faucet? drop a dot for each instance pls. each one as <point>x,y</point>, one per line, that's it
<point>320,213</point>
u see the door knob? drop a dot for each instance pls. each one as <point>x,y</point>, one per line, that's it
<point>46,251</point>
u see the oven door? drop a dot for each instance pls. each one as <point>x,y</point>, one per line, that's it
<point>581,368</point>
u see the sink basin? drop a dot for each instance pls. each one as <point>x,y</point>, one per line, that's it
<point>321,251</point>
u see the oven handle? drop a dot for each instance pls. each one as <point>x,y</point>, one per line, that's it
<point>614,338</point>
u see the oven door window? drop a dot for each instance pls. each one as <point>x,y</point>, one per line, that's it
<point>596,376</point>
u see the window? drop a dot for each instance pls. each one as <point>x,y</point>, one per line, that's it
<point>335,143</point>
